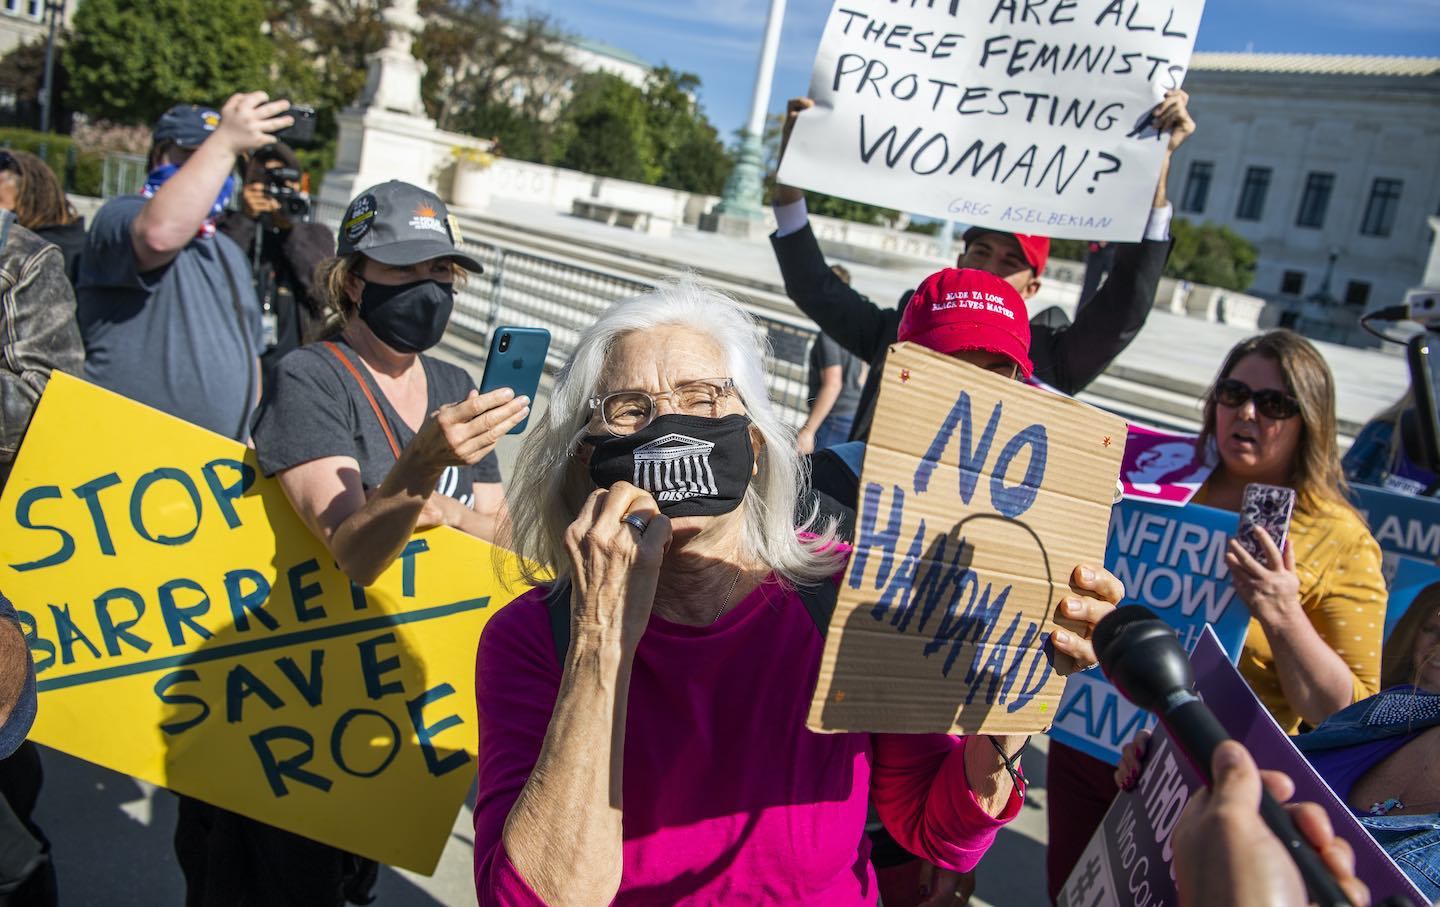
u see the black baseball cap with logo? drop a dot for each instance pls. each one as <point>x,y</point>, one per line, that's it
<point>396,223</point>
<point>187,125</point>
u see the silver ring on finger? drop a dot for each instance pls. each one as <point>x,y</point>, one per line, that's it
<point>636,522</point>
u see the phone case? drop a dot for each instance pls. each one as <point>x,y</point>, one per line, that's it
<point>1269,507</point>
<point>516,360</point>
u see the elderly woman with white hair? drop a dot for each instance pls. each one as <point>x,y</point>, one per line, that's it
<point>664,758</point>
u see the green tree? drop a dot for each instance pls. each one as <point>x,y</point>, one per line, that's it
<point>1069,249</point>
<point>1211,254</point>
<point>493,78</point>
<point>688,150</point>
<point>322,51</point>
<point>815,202</point>
<point>605,131</point>
<point>130,60</point>
<point>22,74</point>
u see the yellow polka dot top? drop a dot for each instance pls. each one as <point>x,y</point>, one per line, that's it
<point>1343,593</point>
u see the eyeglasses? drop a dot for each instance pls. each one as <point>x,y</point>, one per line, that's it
<point>626,412</point>
<point>1270,403</point>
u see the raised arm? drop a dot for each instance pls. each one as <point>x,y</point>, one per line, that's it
<point>563,835</point>
<point>850,319</point>
<point>1104,326</point>
<point>171,218</point>
<point>1328,657</point>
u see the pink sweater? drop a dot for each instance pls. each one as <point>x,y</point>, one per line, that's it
<point>729,799</point>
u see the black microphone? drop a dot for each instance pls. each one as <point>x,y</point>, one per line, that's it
<point>1141,655</point>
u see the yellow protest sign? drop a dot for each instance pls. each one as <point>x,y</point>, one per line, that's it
<point>978,497</point>
<point>188,629</point>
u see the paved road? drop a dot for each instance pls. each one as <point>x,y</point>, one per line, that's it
<point>112,840</point>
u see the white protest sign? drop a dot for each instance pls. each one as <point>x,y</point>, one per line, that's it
<point>1029,116</point>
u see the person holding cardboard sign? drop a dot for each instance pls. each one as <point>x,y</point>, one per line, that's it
<point>642,721</point>
<point>1316,600</point>
<point>979,318</point>
<point>1067,358</point>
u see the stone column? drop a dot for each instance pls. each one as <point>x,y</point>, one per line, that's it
<point>741,211</point>
<point>386,134</point>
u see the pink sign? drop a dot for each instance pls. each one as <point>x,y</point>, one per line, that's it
<point>1162,466</point>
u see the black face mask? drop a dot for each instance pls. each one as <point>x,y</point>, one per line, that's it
<point>410,317</point>
<point>693,465</point>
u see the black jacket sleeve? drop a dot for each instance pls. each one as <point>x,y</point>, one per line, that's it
<point>850,319</point>
<point>1069,358</point>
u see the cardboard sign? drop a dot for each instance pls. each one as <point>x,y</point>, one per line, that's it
<point>1024,116</point>
<point>978,498</point>
<point>1129,859</point>
<point>1162,466</point>
<point>1401,523</point>
<point>1172,560</point>
<point>188,629</point>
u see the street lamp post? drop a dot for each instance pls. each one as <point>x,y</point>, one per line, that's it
<point>55,10</point>
<point>742,204</point>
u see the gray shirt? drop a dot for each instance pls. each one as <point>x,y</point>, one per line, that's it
<point>826,352</point>
<point>182,338</point>
<point>315,409</point>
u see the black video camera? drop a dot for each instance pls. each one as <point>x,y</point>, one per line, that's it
<point>280,185</point>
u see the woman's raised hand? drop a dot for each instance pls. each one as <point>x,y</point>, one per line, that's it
<point>1097,593</point>
<point>1271,590</point>
<point>616,563</point>
<point>464,433</point>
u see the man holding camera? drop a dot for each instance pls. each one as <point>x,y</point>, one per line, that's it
<point>271,226</point>
<point>165,304</point>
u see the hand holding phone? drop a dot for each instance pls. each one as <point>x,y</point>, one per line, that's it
<point>516,360</point>
<point>1270,508</point>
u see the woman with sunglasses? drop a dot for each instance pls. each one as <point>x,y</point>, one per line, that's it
<point>1317,606</point>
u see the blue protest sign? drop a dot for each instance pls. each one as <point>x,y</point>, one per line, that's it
<point>1406,578</point>
<point>1401,523</point>
<point>1128,860</point>
<point>1172,560</point>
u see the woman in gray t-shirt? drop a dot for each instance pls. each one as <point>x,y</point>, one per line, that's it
<point>370,438</point>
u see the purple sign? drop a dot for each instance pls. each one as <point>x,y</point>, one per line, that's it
<point>1128,861</point>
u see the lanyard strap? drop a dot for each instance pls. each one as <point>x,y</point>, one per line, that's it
<point>365,389</point>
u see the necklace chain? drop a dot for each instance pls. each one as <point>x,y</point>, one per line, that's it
<point>728,595</point>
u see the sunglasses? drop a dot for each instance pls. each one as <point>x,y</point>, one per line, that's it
<point>1270,403</point>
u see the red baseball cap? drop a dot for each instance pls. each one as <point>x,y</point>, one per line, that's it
<point>1036,249</point>
<point>961,309</point>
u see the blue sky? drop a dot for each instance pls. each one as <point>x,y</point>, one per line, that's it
<point>719,40</point>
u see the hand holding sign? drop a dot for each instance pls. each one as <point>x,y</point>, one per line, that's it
<point>1081,612</point>
<point>978,497</point>
<point>999,114</point>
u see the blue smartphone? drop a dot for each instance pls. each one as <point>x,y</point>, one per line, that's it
<point>516,361</point>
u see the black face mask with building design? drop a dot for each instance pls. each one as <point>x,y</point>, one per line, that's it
<point>693,465</point>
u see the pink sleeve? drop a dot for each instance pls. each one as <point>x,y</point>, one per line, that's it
<point>919,788</point>
<point>516,680</point>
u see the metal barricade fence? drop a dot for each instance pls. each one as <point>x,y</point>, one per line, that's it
<point>519,288</point>
<point>121,174</point>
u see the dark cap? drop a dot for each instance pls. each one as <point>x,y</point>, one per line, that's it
<point>396,223</point>
<point>187,125</point>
